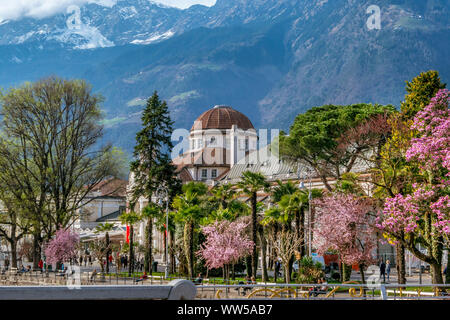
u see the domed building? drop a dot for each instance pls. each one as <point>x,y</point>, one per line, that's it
<point>219,138</point>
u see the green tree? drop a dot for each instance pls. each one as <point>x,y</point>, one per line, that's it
<point>168,238</point>
<point>224,205</point>
<point>14,224</point>
<point>314,138</point>
<point>51,159</point>
<point>152,166</point>
<point>283,189</point>
<point>271,223</point>
<point>293,203</point>
<point>420,91</point>
<point>130,219</point>
<point>99,250</point>
<point>106,228</point>
<point>190,212</point>
<point>149,213</point>
<point>251,183</point>
<point>223,194</point>
<point>392,174</point>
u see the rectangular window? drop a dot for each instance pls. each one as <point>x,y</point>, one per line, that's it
<point>241,144</point>
<point>204,173</point>
<point>214,173</point>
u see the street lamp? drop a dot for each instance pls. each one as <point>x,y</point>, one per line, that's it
<point>162,191</point>
<point>308,175</point>
<point>420,267</point>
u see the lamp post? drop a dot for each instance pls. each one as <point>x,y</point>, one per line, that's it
<point>162,191</point>
<point>420,267</point>
<point>308,175</point>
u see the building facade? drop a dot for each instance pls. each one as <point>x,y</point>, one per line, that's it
<point>219,139</point>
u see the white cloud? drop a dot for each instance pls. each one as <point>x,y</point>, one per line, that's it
<point>14,10</point>
<point>17,9</point>
<point>183,4</point>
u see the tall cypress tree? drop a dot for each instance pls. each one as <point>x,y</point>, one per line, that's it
<point>152,166</point>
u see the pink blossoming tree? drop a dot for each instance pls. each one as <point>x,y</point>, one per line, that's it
<point>424,216</point>
<point>226,242</point>
<point>343,224</point>
<point>62,247</point>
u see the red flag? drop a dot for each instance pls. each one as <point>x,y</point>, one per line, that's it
<point>165,230</point>
<point>128,234</point>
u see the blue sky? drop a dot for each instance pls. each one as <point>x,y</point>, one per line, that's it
<point>16,9</point>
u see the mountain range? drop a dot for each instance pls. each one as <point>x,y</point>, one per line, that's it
<point>270,59</point>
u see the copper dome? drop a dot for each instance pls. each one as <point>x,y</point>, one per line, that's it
<point>222,118</point>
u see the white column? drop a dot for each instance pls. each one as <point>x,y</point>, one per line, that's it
<point>233,146</point>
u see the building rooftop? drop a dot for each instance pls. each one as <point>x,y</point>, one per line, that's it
<point>222,118</point>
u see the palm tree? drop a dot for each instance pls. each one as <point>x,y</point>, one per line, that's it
<point>223,194</point>
<point>130,219</point>
<point>271,220</point>
<point>149,213</point>
<point>106,227</point>
<point>294,203</point>
<point>250,184</point>
<point>282,189</point>
<point>190,211</point>
<point>161,223</point>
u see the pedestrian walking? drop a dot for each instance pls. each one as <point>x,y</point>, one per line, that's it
<point>383,270</point>
<point>90,260</point>
<point>278,267</point>
<point>388,269</point>
<point>81,260</point>
<point>277,270</point>
<point>122,262</point>
<point>41,265</point>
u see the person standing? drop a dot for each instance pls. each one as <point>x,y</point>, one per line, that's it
<point>6,263</point>
<point>41,265</point>
<point>277,269</point>
<point>122,262</point>
<point>81,260</point>
<point>388,269</point>
<point>383,270</point>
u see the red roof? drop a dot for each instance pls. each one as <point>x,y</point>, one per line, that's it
<point>112,188</point>
<point>222,117</point>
